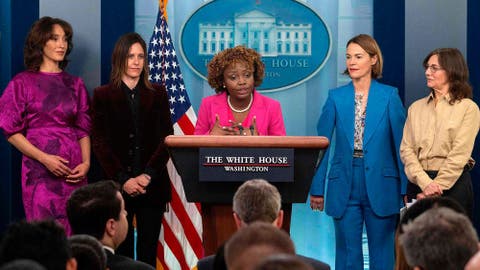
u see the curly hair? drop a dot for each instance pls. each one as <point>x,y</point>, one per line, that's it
<point>451,59</point>
<point>39,34</point>
<point>225,58</point>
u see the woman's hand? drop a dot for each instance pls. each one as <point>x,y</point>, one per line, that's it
<point>222,130</point>
<point>316,202</point>
<point>432,189</point>
<point>78,173</point>
<point>132,187</point>
<point>56,165</point>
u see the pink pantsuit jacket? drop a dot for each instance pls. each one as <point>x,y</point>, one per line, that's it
<point>267,111</point>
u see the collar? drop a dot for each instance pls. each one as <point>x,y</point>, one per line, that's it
<point>446,97</point>
<point>129,91</point>
<point>109,249</point>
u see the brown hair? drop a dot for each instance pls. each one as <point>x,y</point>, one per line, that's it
<point>371,47</point>
<point>119,59</point>
<point>39,34</point>
<point>452,61</point>
<point>225,58</point>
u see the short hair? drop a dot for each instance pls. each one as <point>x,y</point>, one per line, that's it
<point>369,44</point>
<point>22,264</point>
<point>440,238</point>
<point>283,262</point>
<point>90,207</point>
<point>42,241</point>
<point>37,37</point>
<point>218,64</point>
<point>88,252</point>
<point>257,200</point>
<point>120,56</point>
<point>454,64</point>
<point>412,212</point>
<point>256,241</point>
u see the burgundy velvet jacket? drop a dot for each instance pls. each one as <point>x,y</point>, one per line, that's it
<point>112,137</point>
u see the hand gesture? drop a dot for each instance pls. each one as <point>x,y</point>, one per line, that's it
<point>56,165</point>
<point>222,130</point>
<point>432,189</point>
<point>78,173</point>
<point>132,188</point>
<point>316,202</point>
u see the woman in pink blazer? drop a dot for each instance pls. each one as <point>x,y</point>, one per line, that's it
<point>237,108</point>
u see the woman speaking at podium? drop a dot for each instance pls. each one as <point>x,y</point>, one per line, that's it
<point>237,108</point>
<point>366,177</point>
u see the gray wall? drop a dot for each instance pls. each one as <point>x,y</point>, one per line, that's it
<point>84,16</point>
<point>430,24</point>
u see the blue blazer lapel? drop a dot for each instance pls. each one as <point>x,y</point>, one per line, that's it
<point>345,102</point>
<point>376,105</point>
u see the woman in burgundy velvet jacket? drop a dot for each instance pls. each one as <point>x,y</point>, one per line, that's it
<point>131,119</point>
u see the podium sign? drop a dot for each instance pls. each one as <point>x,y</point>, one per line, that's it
<point>240,164</point>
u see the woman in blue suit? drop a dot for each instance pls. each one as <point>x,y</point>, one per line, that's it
<point>366,179</point>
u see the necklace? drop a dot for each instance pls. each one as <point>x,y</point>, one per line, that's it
<point>242,110</point>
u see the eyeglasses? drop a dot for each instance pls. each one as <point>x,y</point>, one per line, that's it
<point>432,68</point>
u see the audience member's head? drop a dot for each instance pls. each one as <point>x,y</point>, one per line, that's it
<point>42,241</point>
<point>250,244</point>
<point>98,210</point>
<point>415,210</point>
<point>283,262</point>
<point>257,200</point>
<point>22,264</point>
<point>440,238</point>
<point>88,252</point>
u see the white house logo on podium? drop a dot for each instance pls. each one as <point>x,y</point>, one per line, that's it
<point>293,40</point>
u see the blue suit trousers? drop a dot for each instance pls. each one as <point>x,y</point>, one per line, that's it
<point>349,229</point>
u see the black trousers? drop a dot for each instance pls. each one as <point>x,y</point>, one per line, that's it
<point>461,191</point>
<point>149,222</point>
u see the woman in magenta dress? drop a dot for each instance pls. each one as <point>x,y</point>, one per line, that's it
<point>45,116</point>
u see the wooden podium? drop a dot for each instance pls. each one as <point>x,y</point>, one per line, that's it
<point>216,196</point>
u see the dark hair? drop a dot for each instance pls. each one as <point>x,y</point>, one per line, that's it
<point>369,44</point>
<point>283,262</point>
<point>453,62</point>
<point>415,210</point>
<point>258,237</point>
<point>119,59</point>
<point>223,59</point>
<point>42,241</point>
<point>39,34</point>
<point>88,252</point>
<point>23,264</point>
<point>91,206</point>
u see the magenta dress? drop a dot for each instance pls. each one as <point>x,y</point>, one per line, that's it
<point>51,111</point>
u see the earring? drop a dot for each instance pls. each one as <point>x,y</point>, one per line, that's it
<point>224,86</point>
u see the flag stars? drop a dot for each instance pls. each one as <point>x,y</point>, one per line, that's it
<point>157,77</point>
<point>172,111</point>
<point>150,65</point>
<point>181,99</point>
<point>172,99</point>
<point>182,87</point>
<point>173,88</point>
<point>154,42</point>
<point>165,77</point>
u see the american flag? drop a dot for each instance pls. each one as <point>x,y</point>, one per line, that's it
<point>180,240</point>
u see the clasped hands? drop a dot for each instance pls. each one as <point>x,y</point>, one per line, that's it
<point>317,202</point>
<point>136,185</point>
<point>234,128</point>
<point>431,190</point>
<point>58,166</point>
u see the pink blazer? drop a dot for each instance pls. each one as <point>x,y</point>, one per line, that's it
<point>267,111</point>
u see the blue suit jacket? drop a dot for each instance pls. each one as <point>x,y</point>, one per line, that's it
<point>384,174</point>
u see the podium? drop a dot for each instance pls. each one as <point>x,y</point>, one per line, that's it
<point>216,196</point>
